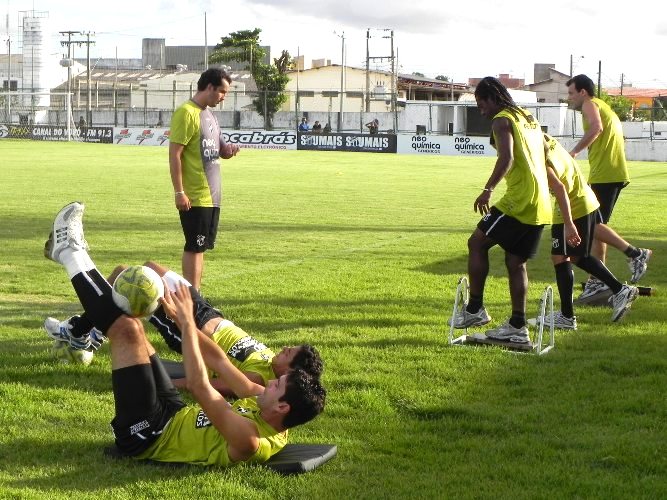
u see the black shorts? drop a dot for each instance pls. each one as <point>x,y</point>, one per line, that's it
<point>145,402</point>
<point>586,229</point>
<point>203,313</point>
<point>513,236</point>
<point>607,195</point>
<point>200,227</point>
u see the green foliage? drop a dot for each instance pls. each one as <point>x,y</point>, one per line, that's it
<point>443,78</point>
<point>271,80</point>
<point>240,46</point>
<point>643,114</point>
<point>272,84</point>
<point>621,105</point>
<point>417,73</point>
<point>357,254</point>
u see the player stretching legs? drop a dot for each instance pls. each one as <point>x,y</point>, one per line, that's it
<point>151,421</point>
<point>576,200</point>
<point>516,221</point>
<point>603,136</point>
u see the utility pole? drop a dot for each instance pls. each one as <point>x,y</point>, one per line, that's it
<point>394,85</point>
<point>368,75</point>
<point>342,79</point>
<point>571,64</point>
<point>89,111</point>
<point>205,44</point>
<point>8,105</point>
<point>599,78</point>
<point>68,43</point>
<point>391,58</point>
<point>9,77</point>
<point>622,75</point>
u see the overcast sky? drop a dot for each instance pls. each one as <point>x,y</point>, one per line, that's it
<point>435,37</point>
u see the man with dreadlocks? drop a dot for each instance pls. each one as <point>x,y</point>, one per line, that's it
<point>516,221</point>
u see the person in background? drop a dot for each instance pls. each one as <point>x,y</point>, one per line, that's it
<point>195,148</point>
<point>373,126</point>
<point>303,126</point>
<point>603,136</point>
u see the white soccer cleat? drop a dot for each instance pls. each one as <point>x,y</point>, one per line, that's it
<point>639,264</point>
<point>622,301</point>
<point>508,333</point>
<point>67,232</point>
<point>560,321</point>
<point>595,292</point>
<point>63,331</point>
<point>464,319</point>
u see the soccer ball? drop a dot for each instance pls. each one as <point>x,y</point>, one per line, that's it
<point>137,291</point>
<point>62,351</point>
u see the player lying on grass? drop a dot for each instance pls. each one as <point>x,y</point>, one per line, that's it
<point>572,239</point>
<point>253,358</point>
<point>151,421</point>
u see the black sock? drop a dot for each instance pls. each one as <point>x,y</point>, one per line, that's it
<point>596,268</point>
<point>565,283</point>
<point>95,296</point>
<point>632,252</point>
<point>474,304</point>
<point>80,325</point>
<point>518,319</point>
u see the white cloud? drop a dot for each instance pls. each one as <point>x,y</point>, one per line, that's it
<point>461,40</point>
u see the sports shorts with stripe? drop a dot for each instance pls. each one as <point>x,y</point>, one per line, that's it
<point>513,236</point>
<point>585,227</point>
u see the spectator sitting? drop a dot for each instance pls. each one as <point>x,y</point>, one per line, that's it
<point>327,128</point>
<point>317,127</point>
<point>303,126</point>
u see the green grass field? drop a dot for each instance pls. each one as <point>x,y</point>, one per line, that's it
<point>358,254</point>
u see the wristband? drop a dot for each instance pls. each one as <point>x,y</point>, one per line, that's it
<point>488,190</point>
<point>179,192</point>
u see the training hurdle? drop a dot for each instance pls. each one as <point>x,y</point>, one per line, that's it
<point>537,344</point>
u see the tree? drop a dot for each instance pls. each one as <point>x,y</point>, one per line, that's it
<point>271,79</point>
<point>417,73</point>
<point>443,78</point>
<point>621,105</point>
<point>240,46</point>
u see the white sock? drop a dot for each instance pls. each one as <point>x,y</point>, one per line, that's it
<point>76,261</point>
